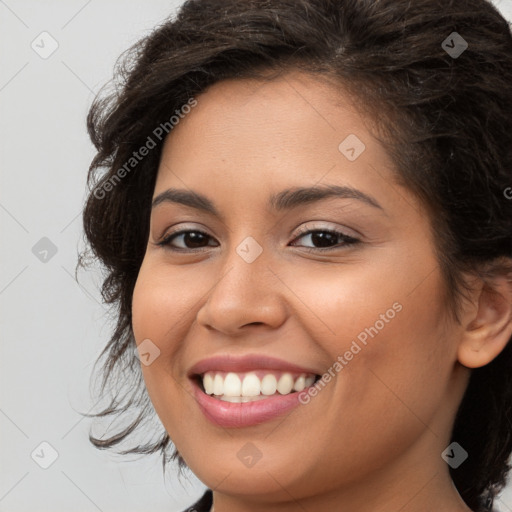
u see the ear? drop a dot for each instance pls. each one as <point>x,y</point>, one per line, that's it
<point>489,326</point>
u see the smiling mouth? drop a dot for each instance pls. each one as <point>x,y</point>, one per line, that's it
<point>243,387</point>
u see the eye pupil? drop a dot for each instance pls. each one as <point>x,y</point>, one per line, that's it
<point>193,237</point>
<point>323,238</point>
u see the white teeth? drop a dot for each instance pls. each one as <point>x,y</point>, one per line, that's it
<point>251,385</point>
<point>208,383</point>
<point>232,385</point>
<point>300,383</point>
<point>269,385</point>
<point>285,384</point>
<point>218,385</point>
<point>247,387</point>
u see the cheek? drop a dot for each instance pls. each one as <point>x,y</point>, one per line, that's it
<point>402,367</point>
<point>387,388</point>
<point>162,305</point>
<point>389,350</point>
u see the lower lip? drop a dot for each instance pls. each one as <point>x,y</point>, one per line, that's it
<point>237,415</point>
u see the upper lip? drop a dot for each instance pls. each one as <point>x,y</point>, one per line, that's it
<point>231,363</point>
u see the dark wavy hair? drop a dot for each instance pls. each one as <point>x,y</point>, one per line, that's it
<point>445,119</point>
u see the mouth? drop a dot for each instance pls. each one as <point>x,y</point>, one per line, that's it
<point>239,400</point>
<point>244,387</point>
<point>241,391</point>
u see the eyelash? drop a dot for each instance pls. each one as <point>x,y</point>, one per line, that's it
<point>347,240</point>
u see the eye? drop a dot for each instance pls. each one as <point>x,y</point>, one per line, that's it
<point>327,239</point>
<point>192,239</point>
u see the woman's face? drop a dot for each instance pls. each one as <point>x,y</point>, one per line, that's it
<point>369,314</point>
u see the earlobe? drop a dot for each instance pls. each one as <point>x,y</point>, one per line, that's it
<point>490,329</point>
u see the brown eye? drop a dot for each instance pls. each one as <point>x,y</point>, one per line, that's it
<point>325,239</point>
<point>189,240</point>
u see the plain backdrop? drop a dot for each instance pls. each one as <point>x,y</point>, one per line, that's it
<point>52,328</point>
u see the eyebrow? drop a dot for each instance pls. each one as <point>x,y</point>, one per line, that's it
<point>284,200</point>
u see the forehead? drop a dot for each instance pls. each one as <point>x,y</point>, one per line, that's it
<point>290,102</point>
<point>290,126</point>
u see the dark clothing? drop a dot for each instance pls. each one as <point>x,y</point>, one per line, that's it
<point>204,504</point>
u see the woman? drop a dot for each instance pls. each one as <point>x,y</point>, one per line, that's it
<point>302,208</point>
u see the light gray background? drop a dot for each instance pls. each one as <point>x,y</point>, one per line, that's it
<point>53,328</point>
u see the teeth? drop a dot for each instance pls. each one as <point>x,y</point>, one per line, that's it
<point>247,387</point>
<point>251,385</point>
<point>285,384</point>
<point>232,385</point>
<point>300,383</point>
<point>208,383</point>
<point>269,385</point>
<point>218,385</point>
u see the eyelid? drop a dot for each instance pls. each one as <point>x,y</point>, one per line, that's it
<point>184,226</point>
<point>324,225</point>
<point>304,229</point>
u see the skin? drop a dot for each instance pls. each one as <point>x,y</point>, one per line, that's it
<point>371,440</point>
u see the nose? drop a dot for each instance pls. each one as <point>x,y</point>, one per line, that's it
<point>243,295</point>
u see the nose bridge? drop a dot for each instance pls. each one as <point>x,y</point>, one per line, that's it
<point>244,291</point>
<point>248,253</point>
<point>246,270</point>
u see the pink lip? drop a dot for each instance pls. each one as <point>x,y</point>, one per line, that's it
<point>228,363</point>
<point>237,415</point>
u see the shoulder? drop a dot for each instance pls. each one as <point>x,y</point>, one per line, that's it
<point>204,504</point>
